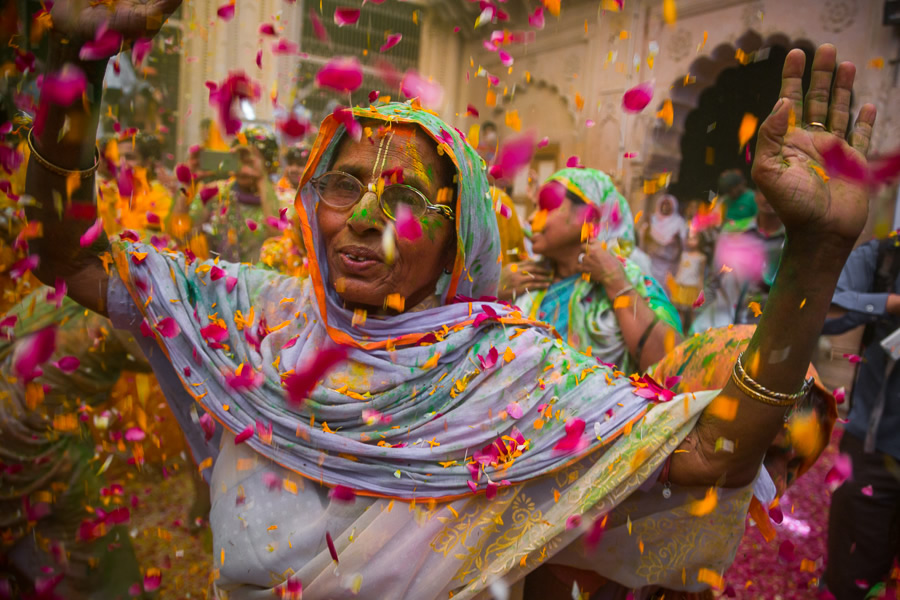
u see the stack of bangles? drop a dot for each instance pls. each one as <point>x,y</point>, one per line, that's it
<point>757,391</point>
<point>80,173</point>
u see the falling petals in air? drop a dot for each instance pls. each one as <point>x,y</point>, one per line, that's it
<point>391,41</point>
<point>236,87</point>
<point>208,193</point>
<point>244,378</point>
<point>68,364</point>
<point>595,534</point>
<point>285,47</point>
<point>408,226</point>
<point>638,97</point>
<point>22,266</point>
<point>853,358</point>
<point>345,16</point>
<point>699,301</point>
<point>551,195</point>
<point>65,87</point>
<point>345,117</point>
<point>515,154</point>
<point>341,493</point>
<point>318,28</point>
<point>152,580</point>
<point>331,549</point>
<point>168,328</point>
<point>429,93</point>
<point>536,19</point>
<point>342,74</point>
<point>267,29</point>
<point>839,473</point>
<point>293,127</point>
<point>140,50</point>
<point>183,174</point>
<point>244,435</point>
<point>214,333</point>
<point>574,440</point>
<point>840,394</point>
<point>105,43</point>
<point>34,350</point>
<point>135,434</point>
<point>300,384</point>
<point>91,234</point>
<point>226,11</point>
<point>208,426</point>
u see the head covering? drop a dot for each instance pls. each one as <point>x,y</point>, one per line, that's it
<point>580,310</point>
<point>664,228</point>
<point>466,403</point>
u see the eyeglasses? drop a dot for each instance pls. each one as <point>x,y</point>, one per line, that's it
<point>342,190</point>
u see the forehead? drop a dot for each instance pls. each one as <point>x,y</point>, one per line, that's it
<point>403,143</point>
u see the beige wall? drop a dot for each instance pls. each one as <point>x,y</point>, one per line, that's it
<point>564,60</point>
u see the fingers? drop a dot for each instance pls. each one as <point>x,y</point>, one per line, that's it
<point>771,135</point>
<point>839,112</point>
<point>862,132</point>
<point>792,77</point>
<point>816,105</point>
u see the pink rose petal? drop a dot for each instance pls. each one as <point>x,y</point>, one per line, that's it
<point>168,328</point>
<point>342,74</point>
<point>342,493</point>
<point>391,41</point>
<point>840,472</point>
<point>301,383</point>
<point>33,351</point>
<point>134,434</point>
<point>226,11</point>
<point>638,97</point>
<point>267,29</point>
<point>429,93</point>
<point>345,16</point>
<point>346,118</point>
<point>515,154</point>
<point>245,435</point>
<point>536,19</point>
<point>574,440</point>
<point>91,234</point>
<point>105,43</point>
<point>318,28</point>
<point>64,87</point>
<point>68,364</point>
<point>551,195</point>
<point>139,51</point>
<point>408,226</point>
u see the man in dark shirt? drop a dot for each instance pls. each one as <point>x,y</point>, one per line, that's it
<point>864,522</point>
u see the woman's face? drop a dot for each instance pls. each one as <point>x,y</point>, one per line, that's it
<point>666,207</point>
<point>357,266</point>
<point>251,168</point>
<point>561,230</point>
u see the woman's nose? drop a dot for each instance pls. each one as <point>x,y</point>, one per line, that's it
<point>367,214</point>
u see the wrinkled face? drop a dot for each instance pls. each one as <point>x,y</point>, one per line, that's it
<point>293,171</point>
<point>358,267</point>
<point>561,230</point>
<point>251,169</point>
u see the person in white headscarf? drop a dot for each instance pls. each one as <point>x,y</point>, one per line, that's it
<point>663,238</point>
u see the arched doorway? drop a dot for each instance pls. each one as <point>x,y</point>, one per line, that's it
<point>709,106</point>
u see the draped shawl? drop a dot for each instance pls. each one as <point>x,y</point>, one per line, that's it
<point>422,410</point>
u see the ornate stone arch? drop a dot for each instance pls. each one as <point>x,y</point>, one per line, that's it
<point>664,144</point>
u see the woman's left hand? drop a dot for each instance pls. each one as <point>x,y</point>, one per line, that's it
<point>602,265</point>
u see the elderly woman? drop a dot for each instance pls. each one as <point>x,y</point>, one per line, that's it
<point>618,313</point>
<point>448,451</point>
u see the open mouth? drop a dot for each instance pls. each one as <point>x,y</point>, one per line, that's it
<point>358,258</point>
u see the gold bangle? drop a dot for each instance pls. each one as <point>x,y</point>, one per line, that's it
<point>757,391</point>
<point>81,173</point>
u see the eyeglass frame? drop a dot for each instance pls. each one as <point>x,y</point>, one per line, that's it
<point>442,209</point>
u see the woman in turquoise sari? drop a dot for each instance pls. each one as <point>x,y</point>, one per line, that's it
<point>588,285</point>
<point>457,445</point>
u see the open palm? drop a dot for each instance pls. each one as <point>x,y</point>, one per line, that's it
<point>80,19</point>
<point>789,168</point>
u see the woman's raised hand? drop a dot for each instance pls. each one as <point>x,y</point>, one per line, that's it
<point>80,20</point>
<point>520,278</point>
<point>789,168</point>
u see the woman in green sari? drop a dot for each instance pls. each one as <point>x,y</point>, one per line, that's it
<point>588,285</point>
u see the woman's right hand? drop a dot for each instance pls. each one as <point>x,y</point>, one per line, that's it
<point>517,279</point>
<point>134,19</point>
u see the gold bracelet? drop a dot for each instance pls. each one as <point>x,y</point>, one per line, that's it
<point>757,391</point>
<point>81,173</point>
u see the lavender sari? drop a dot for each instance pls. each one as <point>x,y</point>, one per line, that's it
<point>466,473</point>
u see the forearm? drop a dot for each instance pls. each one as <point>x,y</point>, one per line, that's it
<point>777,357</point>
<point>59,201</point>
<point>634,317</point>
